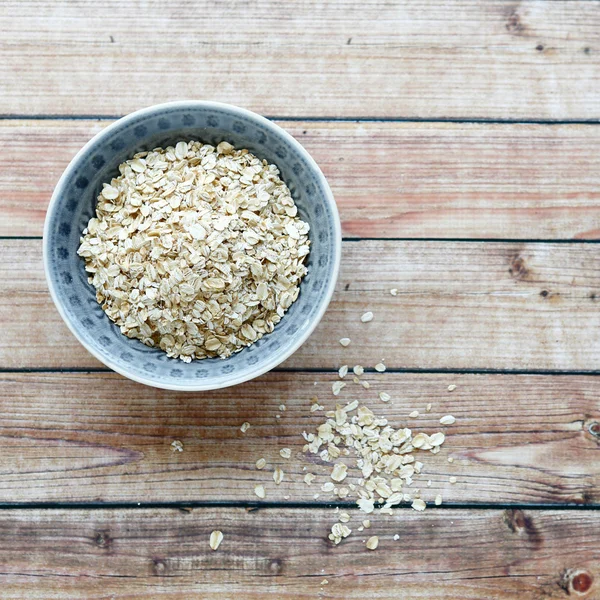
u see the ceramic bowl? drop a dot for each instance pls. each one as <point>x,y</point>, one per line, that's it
<point>73,204</point>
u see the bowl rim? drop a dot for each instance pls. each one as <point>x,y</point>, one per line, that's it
<point>260,369</point>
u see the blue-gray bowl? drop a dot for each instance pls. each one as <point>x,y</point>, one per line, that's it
<point>73,204</point>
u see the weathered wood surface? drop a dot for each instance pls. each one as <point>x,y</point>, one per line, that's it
<point>460,305</point>
<point>424,180</point>
<point>284,554</point>
<point>428,58</point>
<point>75,437</point>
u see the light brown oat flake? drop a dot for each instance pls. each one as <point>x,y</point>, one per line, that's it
<point>278,475</point>
<point>380,367</point>
<point>414,414</point>
<point>438,500</point>
<point>372,542</point>
<point>259,490</point>
<point>285,453</point>
<point>384,396</point>
<point>337,387</point>
<point>216,537</point>
<point>309,478</point>
<point>418,504</point>
<point>367,317</point>
<point>447,420</point>
<point>345,341</point>
<point>339,472</point>
<point>452,479</point>
<point>245,426</point>
<point>261,463</point>
<point>176,446</point>
<point>451,387</point>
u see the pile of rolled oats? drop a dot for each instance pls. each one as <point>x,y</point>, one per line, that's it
<point>196,250</point>
<point>385,456</point>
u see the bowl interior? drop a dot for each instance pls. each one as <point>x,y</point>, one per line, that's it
<point>74,204</point>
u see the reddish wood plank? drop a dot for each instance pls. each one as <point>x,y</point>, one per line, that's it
<point>435,180</point>
<point>98,437</point>
<point>427,58</point>
<point>459,306</point>
<point>284,554</point>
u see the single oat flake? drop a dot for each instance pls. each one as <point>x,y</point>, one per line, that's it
<point>261,463</point>
<point>259,490</point>
<point>196,250</point>
<point>345,342</point>
<point>278,475</point>
<point>176,446</point>
<point>216,537</point>
<point>448,420</point>
<point>418,504</point>
<point>367,317</point>
<point>373,542</point>
<point>245,426</point>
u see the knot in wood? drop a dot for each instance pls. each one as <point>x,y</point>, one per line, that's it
<point>577,582</point>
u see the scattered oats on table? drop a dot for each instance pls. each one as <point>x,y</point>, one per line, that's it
<point>196,250</point>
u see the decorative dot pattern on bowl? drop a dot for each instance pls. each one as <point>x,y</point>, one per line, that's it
<point>164,125</point>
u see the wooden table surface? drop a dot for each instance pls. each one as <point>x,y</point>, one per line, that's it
<point>462,143</point>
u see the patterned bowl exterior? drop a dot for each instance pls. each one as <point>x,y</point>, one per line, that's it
<point>73,204</point>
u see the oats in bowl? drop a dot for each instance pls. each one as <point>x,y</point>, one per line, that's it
<point>196,249</point>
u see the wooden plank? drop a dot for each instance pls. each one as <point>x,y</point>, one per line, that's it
<point>284,554</point>
<point>98,437</point>
<point>428,58</point>
<point>460,306</point>
<point>425,180</point>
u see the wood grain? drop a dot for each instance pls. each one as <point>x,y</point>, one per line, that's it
<point>427,59</point>
<point>98,437</point>
<point>284,554</point>
<point>423,180</point>
<point>460,306</point>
